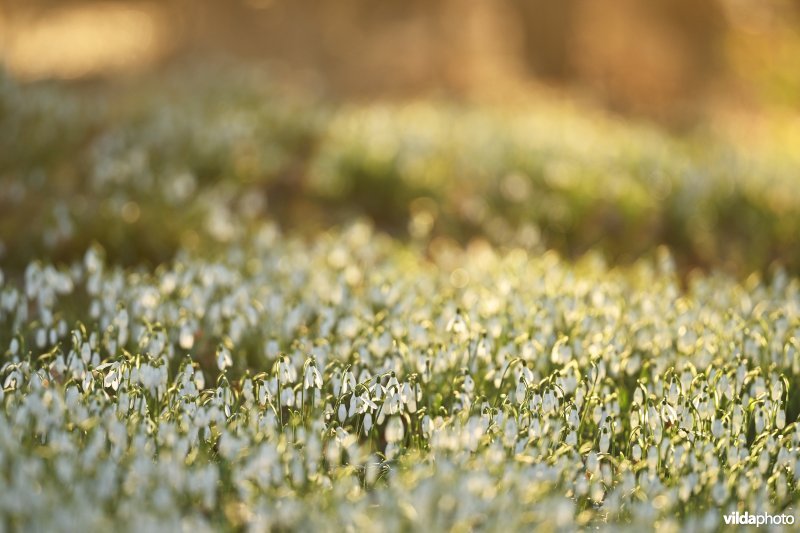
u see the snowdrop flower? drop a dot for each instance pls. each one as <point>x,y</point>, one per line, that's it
<point>459,325</point>
<point>521,392</point>
<point>469,383</point>
<point>247,391</point>
<point>776,389</point>
<point>408,397</point>
<point>561,353</point>
<point>482,348</point>
<point>598,414</point>
<point>285,374</point>
<point>112,377</point>
<point>13,379</point>
<point>636,452</point>
<point>224,360</point>
<point>635,416</point>
<point>725,387</point>
<point>668,414</point>
<point>391,405</point>
<point>353,407</point>
<point>549,402</point>
<point>287,397</point>
<point>393,383</point>
<point>674,392</point>
<point>312,377</point>
<point>652,457</point>
<point>760,420</point>
<point>780,419</point>
<point>349,382</point>
<point>394,430</point>
<point>427,371</point>
<point>717,428</point>
<point>638,397</point>
<point>186,337</point>
<point>365,403</point>
<point>427,426</point>
<point>605,440</point>
<point>86,352</point>
<point>41,338</point>
<point>572,417</point>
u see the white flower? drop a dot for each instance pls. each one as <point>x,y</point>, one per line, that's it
<point>354,405</point>
<point>780,419</point>
<point>349,382</point>
<point>605,440</point>
<point>668,413</point>
<point>312,377</point>
<point>112,378</point>
<point>224,360</point>
<point>287,396</point>
<point>408,397</point>
<point>247,391</point>
<point>652,457</point>
<point>394,429</point>
<point>365,403</point>
<point>427,426</point>
<point>263,394</point>
<point>634,417</point>
<point>561,352</point>
<point>776,389</point>
<point>13,380</point>
<point>760,420</point>
<point>521,392</point>
<point>716,428</point>
<point>186,337</point>
<point>469,384</point>
<point>86,353</point>
<point>284,370</point>
<point>41,338</point>
<point>636,452</point>
<point>674,392</point>
<point>459,326</point>
<point>549,402</point>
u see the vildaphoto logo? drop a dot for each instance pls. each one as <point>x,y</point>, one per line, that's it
<point>758,520</point>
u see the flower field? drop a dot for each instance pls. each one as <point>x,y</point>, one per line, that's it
<point>244,311</point>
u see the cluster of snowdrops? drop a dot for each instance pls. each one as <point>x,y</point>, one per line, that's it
<point>345,382</point>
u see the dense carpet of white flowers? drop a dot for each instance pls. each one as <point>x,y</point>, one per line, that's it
<point>351,382</point>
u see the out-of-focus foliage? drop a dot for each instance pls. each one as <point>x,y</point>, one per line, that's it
<point>671,60</point>
<point>218,152</point>
<point>144,173</point>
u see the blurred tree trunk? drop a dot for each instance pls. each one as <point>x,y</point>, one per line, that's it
<point>547,30</point>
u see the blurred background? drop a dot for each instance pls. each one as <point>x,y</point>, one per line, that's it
<point>617,126</point>
<point>666,59</point>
